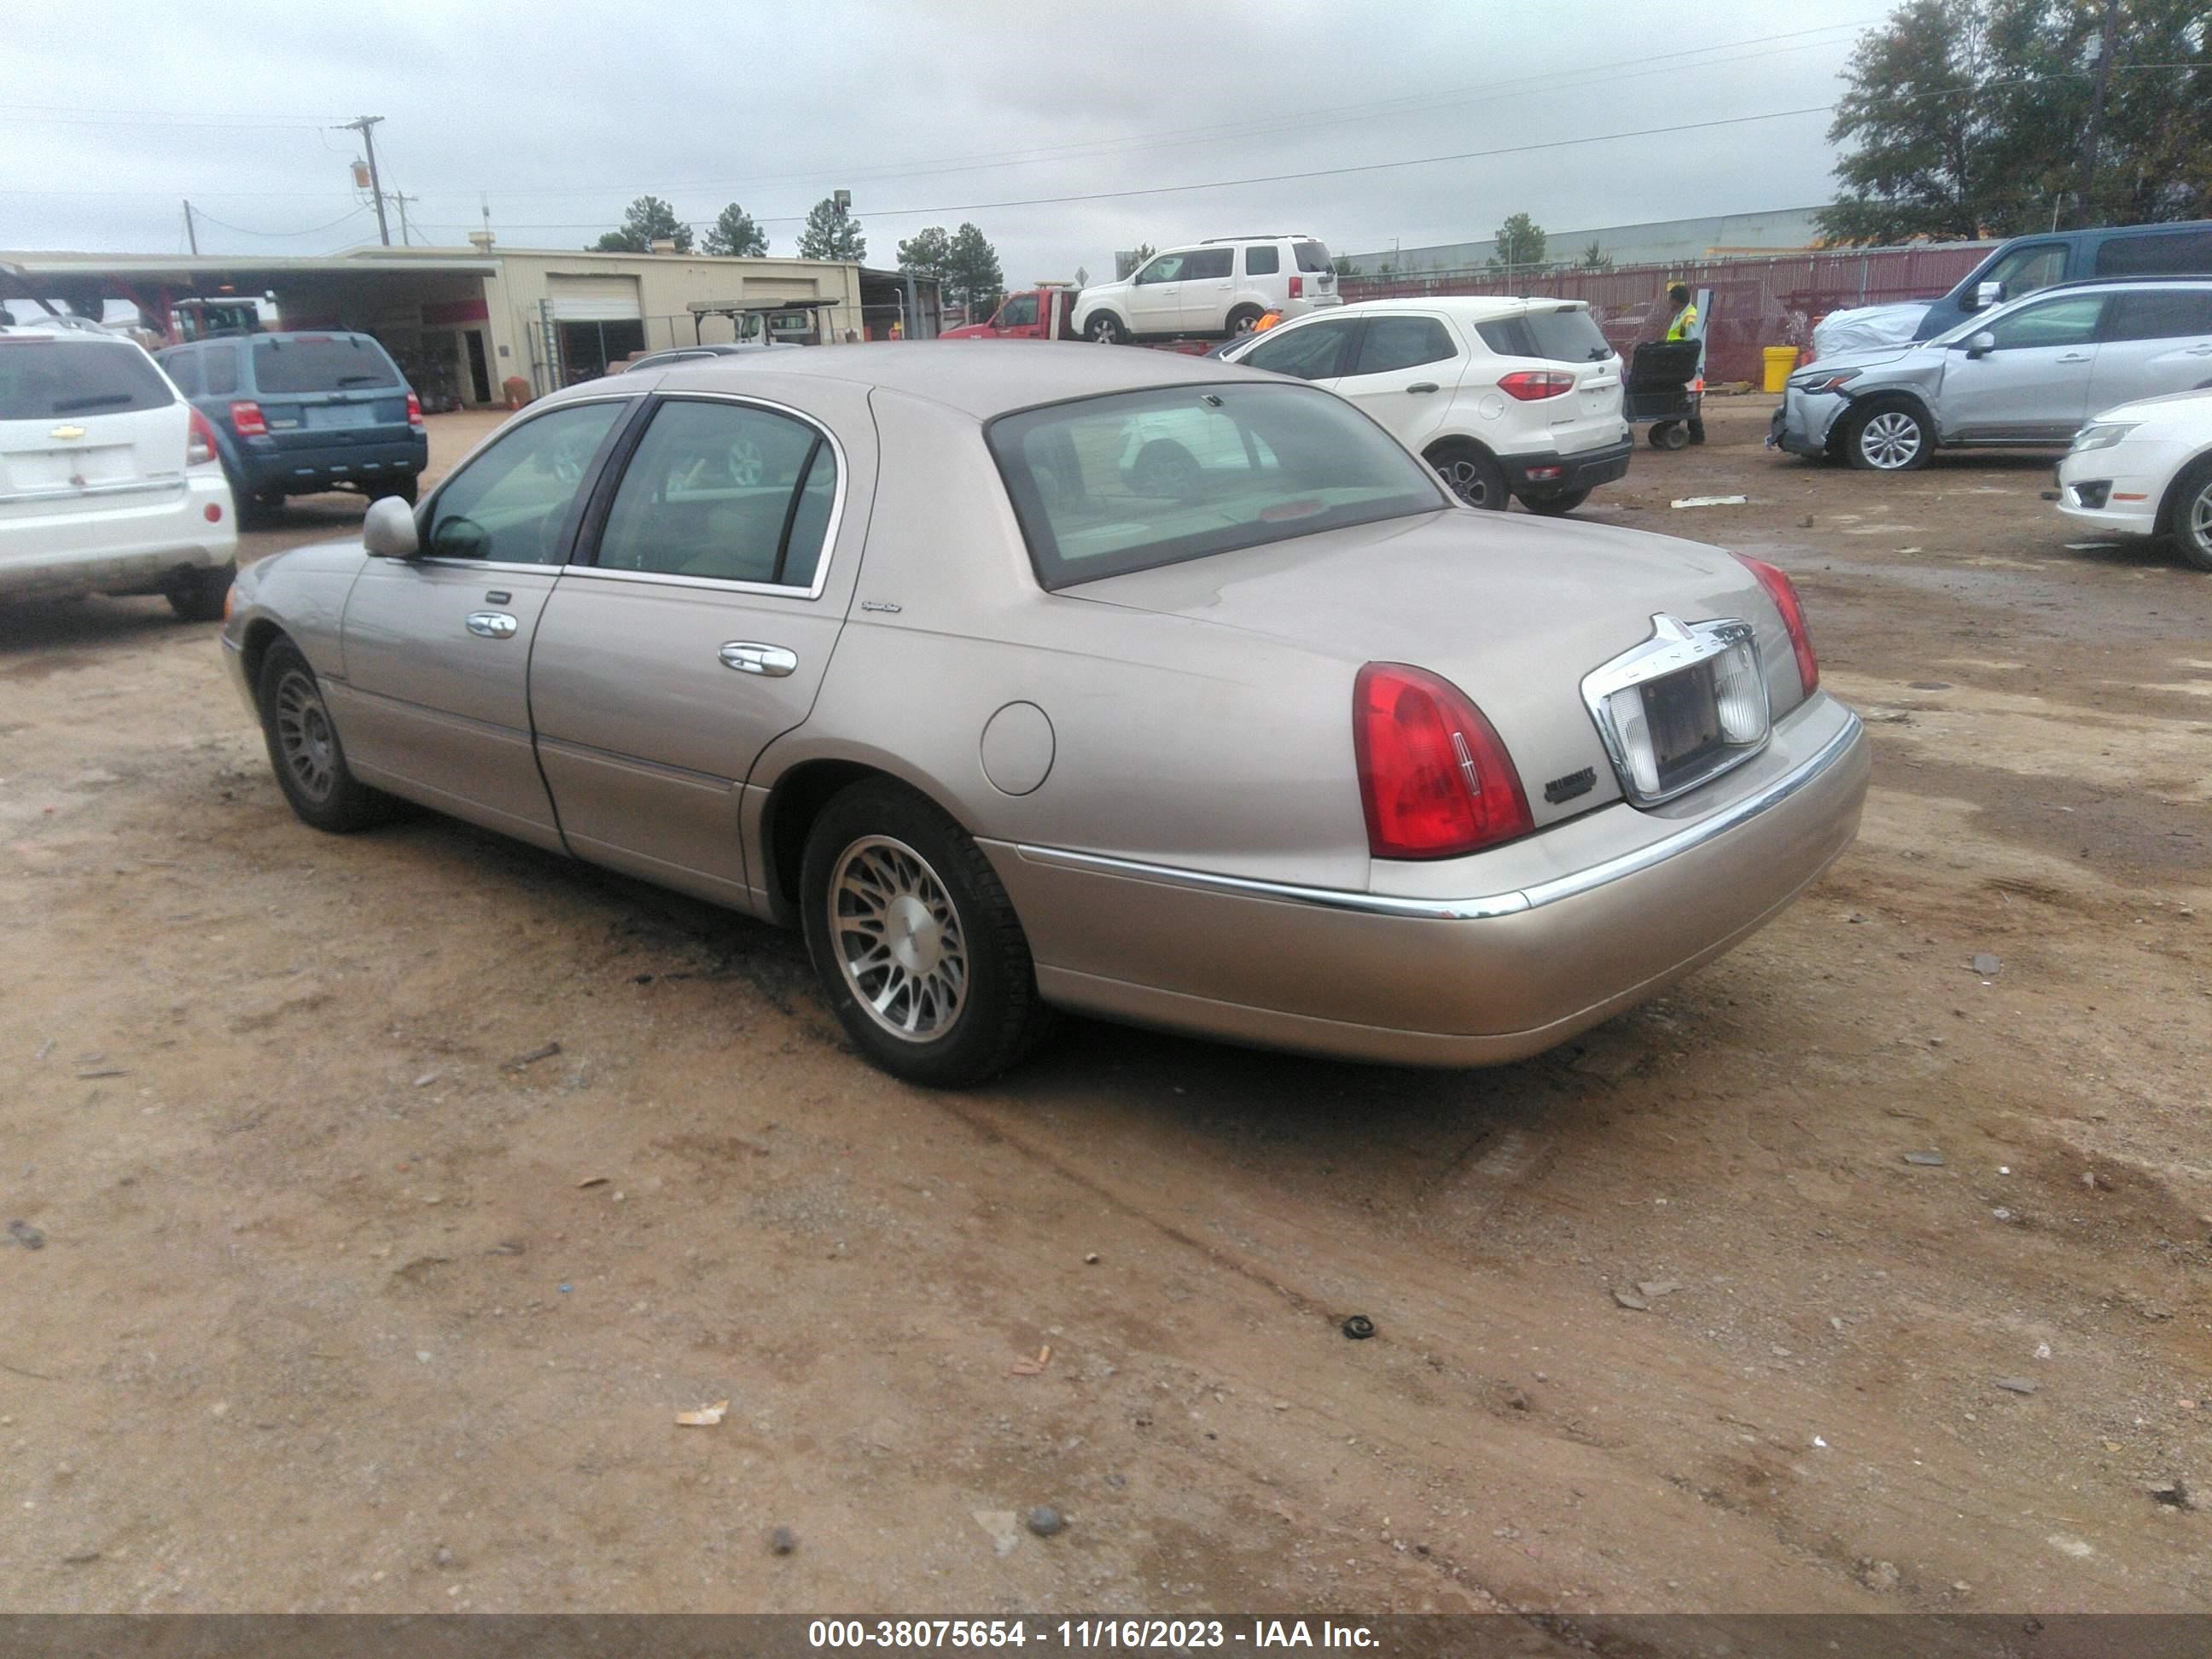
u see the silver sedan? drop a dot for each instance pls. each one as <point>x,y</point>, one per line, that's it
<point>1033,676</point>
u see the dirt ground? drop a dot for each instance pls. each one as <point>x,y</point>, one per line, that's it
<point>337,1308</point>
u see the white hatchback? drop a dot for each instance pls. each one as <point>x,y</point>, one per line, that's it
<point>1220,287</point>
<point>109,480</point>
<point>1504,396</point>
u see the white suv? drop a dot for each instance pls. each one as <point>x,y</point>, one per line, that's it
<point>1219,286</point>
<point>1503,397</point>
<point>110,482</point>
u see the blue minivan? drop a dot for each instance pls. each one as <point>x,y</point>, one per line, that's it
<point>299,413</point>
<point>2025,264</point>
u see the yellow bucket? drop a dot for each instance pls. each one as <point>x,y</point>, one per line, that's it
<point>1780,360</point>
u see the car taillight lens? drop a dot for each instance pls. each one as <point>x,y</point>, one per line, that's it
<point>246,421</point>
<point>1534,385</point>
<point>1434,775</point>
<point>200,441</point>
<point>1298,288</point>
<point>1780,589</point>
<point>413,410</point>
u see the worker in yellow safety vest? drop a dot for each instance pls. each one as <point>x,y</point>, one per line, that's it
<point>1685,326</point>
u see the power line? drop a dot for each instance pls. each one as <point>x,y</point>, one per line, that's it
<point>277,235</point>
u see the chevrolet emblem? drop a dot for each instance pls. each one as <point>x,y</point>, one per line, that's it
<point>65,432</point>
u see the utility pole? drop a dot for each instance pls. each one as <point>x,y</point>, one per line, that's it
<point>401,198</point>
<point>191,231</point>
<point>363,125</point>
<point>2087,171</point>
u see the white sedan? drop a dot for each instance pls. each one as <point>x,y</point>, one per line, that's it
<point>2145,469</point>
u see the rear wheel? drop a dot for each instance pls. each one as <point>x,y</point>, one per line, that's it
<point>2192,516</point>
<point>1889,437</point>
<point>913,938</point>
<point>1557,505</point>
<point>304,751</point>
<point>199,596</point>
<point>1244,319</point>
<point>1105,329</point>
<point>1472,474</point>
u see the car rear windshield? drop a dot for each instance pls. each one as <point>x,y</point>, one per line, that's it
<point>1137,479</point>
<point>334,362</point>
<point>1312,256</point>
<point>49,380</point>
<point>1569,336</point>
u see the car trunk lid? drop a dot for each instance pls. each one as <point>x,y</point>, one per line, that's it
<point>82,423</point>
<point>1515,612</point>
<point>325,390</point>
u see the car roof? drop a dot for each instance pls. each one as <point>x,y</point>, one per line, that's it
<point>79,330</point>
<point>981,378</point>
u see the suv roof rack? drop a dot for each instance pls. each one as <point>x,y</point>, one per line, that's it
<point>2116,279</point>
<point>1262,236</point>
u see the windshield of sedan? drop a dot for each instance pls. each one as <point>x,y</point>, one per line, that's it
<point>1137,479</point>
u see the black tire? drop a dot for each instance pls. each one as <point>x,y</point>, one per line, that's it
<point>2190,520</point>
<point>946,882</point>
<point>1888,437</point>
<point>1242,320</point>
<point>305,752</point>
<point>1557,504</point>
<point>1470,472</point>
<point>1657,437</point>
<point>199,596</point>
<point>1667,434</point>
<point>1104,328</point>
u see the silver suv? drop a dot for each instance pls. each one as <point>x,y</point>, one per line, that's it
<point>2027,374</point>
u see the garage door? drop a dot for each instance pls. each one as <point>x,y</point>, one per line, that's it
<point>594,299</point>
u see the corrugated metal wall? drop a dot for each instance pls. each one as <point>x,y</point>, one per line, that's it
<point>1756,302</point>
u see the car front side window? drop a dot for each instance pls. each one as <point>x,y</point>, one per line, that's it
<point>728,492</point>
<point>2025,270</point>
<point>1018,313</point>
<point>1168,268</point>
<point>2071,321</point>
<point>1310,352</point>
<point>511,504</point>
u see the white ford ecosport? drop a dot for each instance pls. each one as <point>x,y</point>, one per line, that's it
<point>109,480</point>
<point>1219,286</point>
<point>1502,395</point>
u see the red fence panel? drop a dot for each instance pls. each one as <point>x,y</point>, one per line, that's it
<point>1756,302</point>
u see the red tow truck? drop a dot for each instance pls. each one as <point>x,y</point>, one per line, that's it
<point>1047,312</point>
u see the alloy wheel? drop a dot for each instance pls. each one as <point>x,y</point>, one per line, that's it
<point>898,938</point>
<point>1467,481</point>
<point>304,736</point>
<point>1890,441</point>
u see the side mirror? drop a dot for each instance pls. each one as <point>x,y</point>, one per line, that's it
<point>1982,344</point>
<point>1987,295</point>
<point>387,530</point>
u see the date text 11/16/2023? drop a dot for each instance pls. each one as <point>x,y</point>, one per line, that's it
<point>1124,1634</point>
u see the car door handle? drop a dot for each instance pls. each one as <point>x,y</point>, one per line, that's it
<point>1423,385</point>
<point>772,661</point>
<point>492,624</point>
<point>2074,357</point>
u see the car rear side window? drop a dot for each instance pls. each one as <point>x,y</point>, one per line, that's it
<point>724,491</point>
<point>49,380</point>
<point>1395,343</point>
<point>1208,263</point>
<point>1262,261</point>
<point>1311,255</point>
<point>321,362</point>
<point>2170,253</point>
<point>1569,335</point>
<point>2160,314</point>
<point>1137,479</point>
<point>220,365</point>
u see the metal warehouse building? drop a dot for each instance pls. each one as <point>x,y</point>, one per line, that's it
<point>463,321</point>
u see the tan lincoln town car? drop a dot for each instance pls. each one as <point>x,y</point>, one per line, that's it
<point>1026,678</point>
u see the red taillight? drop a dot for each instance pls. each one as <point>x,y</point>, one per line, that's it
<point>1298,288</point>
<point>1434,776</point>
<point>246,421</point>
<point>413,410</point>
<point>1784,592</point>
<point>200,441</point>
<point>1534,385</point>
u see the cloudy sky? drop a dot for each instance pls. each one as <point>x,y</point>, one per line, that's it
<point>559,114</point>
